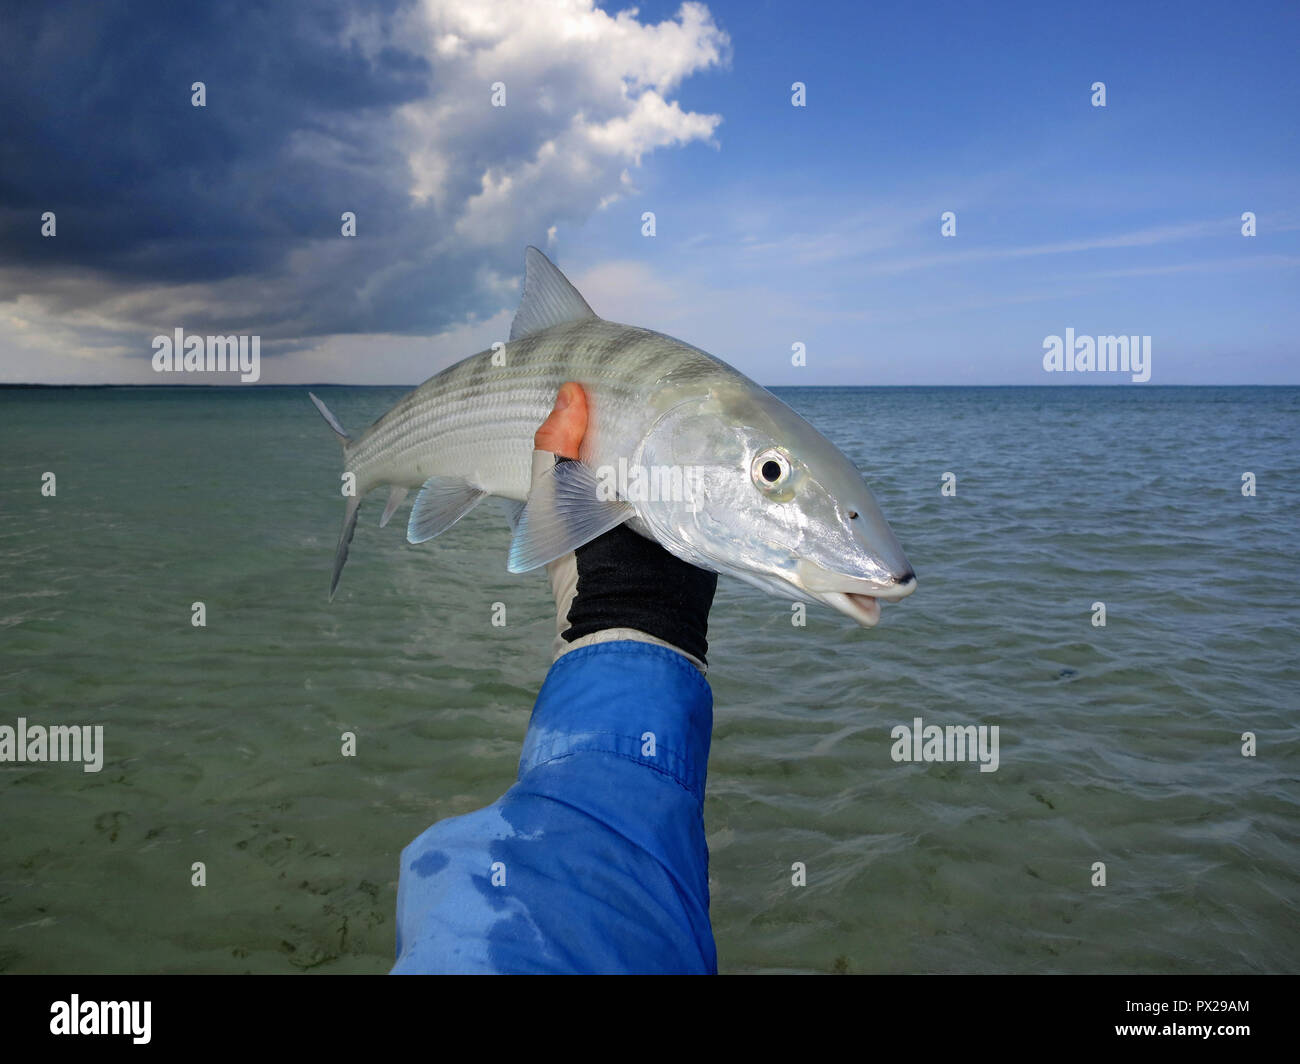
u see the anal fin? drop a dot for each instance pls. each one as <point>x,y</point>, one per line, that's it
<point>395,498</point>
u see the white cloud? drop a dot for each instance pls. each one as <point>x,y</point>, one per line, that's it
<point>585,97</point>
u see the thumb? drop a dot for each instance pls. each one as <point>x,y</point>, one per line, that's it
<point>562,432</point>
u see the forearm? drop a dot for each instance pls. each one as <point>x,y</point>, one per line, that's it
<point>595,860</point>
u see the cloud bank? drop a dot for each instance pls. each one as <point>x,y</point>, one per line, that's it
<point>227,217</point>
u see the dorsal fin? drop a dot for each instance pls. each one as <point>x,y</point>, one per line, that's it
<point>548,300</point>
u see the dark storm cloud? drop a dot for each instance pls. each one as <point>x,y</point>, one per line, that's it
<point>147,188</point>
<point>228,216</point>
<point>99,128</point>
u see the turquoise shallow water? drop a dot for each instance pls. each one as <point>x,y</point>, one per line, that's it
<point>1119,744</point>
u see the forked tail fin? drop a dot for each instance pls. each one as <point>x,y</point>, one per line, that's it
<point>331,420</point>
<point>345,538</point>
<point>353,501</point>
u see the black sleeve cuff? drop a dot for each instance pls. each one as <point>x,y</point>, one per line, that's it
<point>628,581</point>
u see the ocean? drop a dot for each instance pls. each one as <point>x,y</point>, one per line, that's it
<point>1159,750</point>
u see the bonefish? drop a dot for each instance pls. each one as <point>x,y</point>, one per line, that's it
<point>765,497</point>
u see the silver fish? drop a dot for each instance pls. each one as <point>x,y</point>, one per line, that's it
<point>679,445</point>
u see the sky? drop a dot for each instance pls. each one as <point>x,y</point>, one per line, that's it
<point>774,225</point>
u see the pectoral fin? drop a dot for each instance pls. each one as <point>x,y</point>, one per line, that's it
<point>564,511</point>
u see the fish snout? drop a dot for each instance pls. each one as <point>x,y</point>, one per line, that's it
<point>899,588</point>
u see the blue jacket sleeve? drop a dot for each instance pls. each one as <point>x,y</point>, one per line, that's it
<point>595,860</point>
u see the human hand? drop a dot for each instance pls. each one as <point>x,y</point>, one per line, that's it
<point>621,585</point>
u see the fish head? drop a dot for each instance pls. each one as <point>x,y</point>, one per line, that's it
<point>767,498</point>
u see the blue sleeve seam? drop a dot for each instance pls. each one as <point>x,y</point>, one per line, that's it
<point>624,757</point>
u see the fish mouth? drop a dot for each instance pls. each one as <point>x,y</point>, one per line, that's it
<point>865,609</point>
<point>860,599</point>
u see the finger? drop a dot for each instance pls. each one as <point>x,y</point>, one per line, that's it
<point>562,432</point>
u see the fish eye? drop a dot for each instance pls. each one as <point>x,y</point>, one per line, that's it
<point>853,515</point>
<point>771,469</point>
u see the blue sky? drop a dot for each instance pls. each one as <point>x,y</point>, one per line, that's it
<point>774,224</point>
